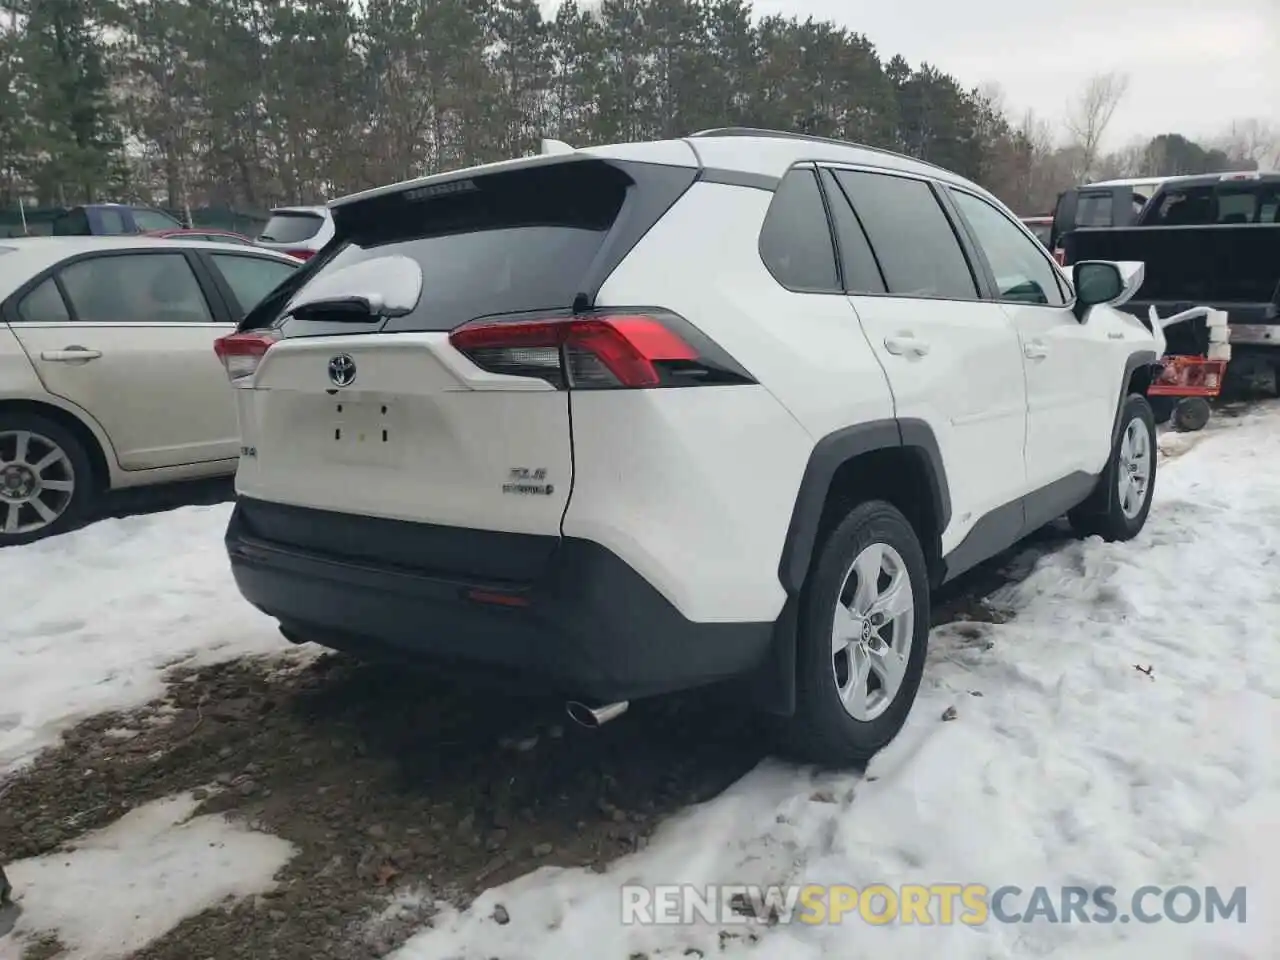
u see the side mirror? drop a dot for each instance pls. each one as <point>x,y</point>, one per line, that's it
<point>1096,281</point>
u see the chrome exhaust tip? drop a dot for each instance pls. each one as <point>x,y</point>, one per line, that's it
<point>593,717</point>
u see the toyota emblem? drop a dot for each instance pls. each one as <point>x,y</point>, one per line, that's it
<point>342,371</point>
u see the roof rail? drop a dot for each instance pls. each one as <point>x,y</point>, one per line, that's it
<point>809,137</point>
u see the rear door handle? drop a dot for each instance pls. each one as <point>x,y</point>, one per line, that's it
<point>906,344</point>
<point>71,354</point>
<point>1035,350</point>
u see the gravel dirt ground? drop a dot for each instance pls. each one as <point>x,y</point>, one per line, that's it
<point>398,789</point>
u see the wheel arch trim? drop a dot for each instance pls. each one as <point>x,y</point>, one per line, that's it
<point>1135,362</point>
<point>832,452</point>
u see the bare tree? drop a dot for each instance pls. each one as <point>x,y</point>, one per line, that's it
<point>1252,141</point>
<point>1089,117</point>
<point>1046,173</point>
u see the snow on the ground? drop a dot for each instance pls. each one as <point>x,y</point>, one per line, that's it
<point>92,619</point>
<point>1074,766</point>
<point>133,881</point>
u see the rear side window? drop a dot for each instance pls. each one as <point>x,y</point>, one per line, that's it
<point>913,240</point>
<point>1237,206</point>
<point>73,223</point>
<point>251,278</point>
<point>528,239</point>
<point>795,239</point>
<point>146,220</point>
<point>1094,210</point>
<point>136,288</point>
<point>1191,205</point>
<point>291,227</point>
<point>112,223</point>
<point>44,305</point>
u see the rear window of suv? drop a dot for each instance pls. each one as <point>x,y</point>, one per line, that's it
<point>291,227</point>
<point>508,242</point>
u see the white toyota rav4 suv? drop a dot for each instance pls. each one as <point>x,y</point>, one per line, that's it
<point>631,419</point>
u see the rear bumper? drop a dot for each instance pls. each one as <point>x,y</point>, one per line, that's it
<point>590,626</point>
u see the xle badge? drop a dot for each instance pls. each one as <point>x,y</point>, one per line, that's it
<point>523,480</point>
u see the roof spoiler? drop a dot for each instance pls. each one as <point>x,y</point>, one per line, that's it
<point>552,147</point>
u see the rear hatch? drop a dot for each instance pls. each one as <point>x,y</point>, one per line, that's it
<point>358,403</point>
<point>296,232</point>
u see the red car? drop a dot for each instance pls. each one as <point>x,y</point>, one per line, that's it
<point>203,233</point>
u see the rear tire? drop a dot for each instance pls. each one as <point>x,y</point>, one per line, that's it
<point>1120,503</point>
<point>46,479</point>
<point>862,638</point>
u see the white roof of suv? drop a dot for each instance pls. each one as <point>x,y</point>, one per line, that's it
<point>744,150</point>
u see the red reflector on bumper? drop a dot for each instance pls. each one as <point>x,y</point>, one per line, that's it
<point>498,599</point>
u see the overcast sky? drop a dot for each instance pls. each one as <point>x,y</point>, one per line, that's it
<point>1194,65</point>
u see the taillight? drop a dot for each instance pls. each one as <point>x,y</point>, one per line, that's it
<point>301,254</point>
<point>598,351</point>
<point>241,353</point>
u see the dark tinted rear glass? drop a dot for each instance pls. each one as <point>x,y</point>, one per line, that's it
<point>795,238</point>
<point>73,223</point>
<point>111,223</point>
<point>146,220</point>
<point>291,227</point>
<point>1188,206</point>
<point>1094,210</point>
<point>510,242</point>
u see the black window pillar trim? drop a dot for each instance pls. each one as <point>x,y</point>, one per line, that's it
<point>218,279</point>
<point>67,303</point>
<point>979,265</point>
<point>654,190</point>
<point>220,308</point>
<point>830,185</point>
<point>832,233</point>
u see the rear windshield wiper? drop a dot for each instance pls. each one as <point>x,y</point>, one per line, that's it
<point>354,309</point>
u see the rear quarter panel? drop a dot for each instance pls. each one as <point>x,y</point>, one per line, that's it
<point>695,487</point>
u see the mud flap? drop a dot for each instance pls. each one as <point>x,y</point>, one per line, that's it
<point>771,687</point>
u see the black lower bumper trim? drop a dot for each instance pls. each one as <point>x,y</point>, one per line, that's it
<point>592,628</point>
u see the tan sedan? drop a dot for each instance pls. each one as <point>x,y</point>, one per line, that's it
<point>108,377</point>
